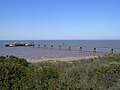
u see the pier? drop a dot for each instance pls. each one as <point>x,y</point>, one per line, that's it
<point>63,46</point>
<point>106,50</point>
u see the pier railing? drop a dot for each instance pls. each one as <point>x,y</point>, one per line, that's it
<point>106,50</point>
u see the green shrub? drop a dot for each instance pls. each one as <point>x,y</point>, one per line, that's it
<point>114,57</point>
<point>108,75</point>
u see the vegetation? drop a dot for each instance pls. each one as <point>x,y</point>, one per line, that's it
<point>102,73</point>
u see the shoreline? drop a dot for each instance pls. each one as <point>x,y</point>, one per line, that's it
<point>63,59</point>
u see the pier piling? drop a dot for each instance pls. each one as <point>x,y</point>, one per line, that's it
<point>38,45</point>
<point>94,50</point>
<point>112,51</point>
<point>60,47</point>
<point>44,46</point>
<point>51,46</point>
<point>69,48</point>
<point>80,48</point>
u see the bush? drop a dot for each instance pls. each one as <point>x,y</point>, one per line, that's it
<point>108,75</point>
<point>101,73</point>
<point>114,57</point>
<point>11,72</point>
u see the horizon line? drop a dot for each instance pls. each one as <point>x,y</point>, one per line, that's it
<point>55,39</point>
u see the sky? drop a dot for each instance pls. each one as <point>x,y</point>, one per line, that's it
<point>59,19</point>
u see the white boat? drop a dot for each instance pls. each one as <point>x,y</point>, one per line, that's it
<point>11,45</point>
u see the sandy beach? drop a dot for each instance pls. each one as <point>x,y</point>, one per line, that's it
<point>64,55</point>
<point>63,59</point>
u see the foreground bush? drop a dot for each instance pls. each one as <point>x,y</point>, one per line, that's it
<point>12,70</point>
<point>101,73</point>
<point>18,74</point>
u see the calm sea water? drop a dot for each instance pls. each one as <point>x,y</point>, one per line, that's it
<point>40,53</point>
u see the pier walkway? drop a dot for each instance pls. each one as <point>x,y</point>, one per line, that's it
<point>106,50</point>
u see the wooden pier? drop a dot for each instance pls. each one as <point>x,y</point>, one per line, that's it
<point>63,46</point>
<point>106,50</point>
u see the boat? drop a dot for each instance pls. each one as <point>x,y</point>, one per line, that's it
<point>29,44</point>
<point>12,45</point>
<point>7,45</point>
<point>19,44</point>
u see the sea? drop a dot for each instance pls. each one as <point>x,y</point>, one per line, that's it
<point>70,49</point>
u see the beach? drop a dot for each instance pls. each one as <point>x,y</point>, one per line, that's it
<point>66,58</point>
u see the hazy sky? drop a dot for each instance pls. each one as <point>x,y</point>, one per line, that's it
<point>59,19</point>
